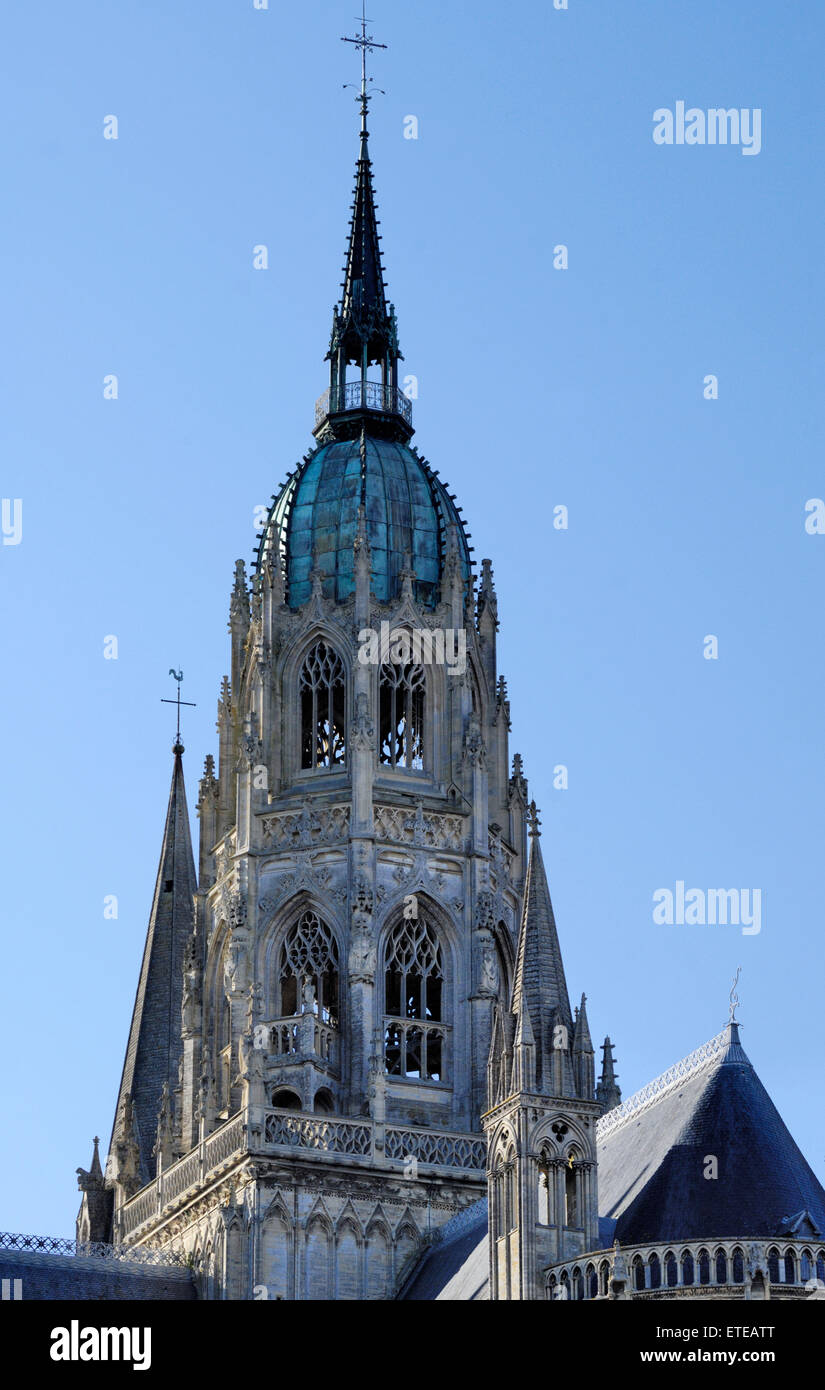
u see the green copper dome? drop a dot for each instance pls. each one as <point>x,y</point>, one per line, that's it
<point>409,515</point>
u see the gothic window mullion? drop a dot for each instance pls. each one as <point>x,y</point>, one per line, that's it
<point>408,738</point>
<point>314,727</point>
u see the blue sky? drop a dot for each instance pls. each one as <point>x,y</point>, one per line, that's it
<point>538,387</point>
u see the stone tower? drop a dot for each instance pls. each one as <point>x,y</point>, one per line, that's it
<point>541,1121</point>
<point>315,1113</point>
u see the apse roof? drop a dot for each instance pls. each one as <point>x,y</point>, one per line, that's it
<point>704,1152</point>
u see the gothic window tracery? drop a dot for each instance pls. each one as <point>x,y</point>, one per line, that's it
<point>308,969</point>
<point>413,985</point>
<point>323,687</point>
<point>401,715</point>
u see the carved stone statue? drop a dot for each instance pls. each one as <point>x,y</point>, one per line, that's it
<point>362,733</point>
<point>489,969</point>
<point>363,955</point>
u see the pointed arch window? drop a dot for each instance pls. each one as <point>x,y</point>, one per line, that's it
<point>413,987</point>
<point>308,969</point>
<point>401,715</point>
<point>323,691</point>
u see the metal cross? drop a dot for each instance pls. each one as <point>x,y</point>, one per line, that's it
<point>734,997</point>
<point>367,44</point>
<point>178,675</point>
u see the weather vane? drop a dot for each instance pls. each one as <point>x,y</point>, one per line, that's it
<point>367,44</point>
<point>178,675</point>
<point>734,997</point>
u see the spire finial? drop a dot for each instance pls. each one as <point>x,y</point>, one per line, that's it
<point>734,997</point>
<point>367,44</point>
<point>533,819</point>
<point>178,675</point>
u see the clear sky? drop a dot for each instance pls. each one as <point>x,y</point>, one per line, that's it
<point>538,388</point>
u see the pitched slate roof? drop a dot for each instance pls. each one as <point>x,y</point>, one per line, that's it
<point>654,1152</point>
<point>456,1269</point>
<point>154,1046</point>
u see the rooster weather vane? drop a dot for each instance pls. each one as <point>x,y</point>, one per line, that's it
<point>178,675</point>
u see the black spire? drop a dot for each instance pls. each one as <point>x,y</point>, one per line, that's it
<point>364,328</point>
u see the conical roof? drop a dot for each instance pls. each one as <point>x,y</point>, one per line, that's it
<point>539,985</point>
<point>655,1156</point>
<point>154,1048</point>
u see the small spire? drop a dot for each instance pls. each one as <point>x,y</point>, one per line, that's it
<point>539,984</point>
<point>581,1030</point>
<point>154,1046</point>
<point>608,1093</point>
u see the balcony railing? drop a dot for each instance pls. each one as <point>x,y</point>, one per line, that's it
<point>299,1037</point>
<point>361,1139</point>
<point>364,395</point>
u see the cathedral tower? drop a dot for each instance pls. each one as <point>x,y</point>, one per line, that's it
<point>316,1114</point>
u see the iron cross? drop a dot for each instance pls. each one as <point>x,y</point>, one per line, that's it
<point>178,675</point>
<point>367,44</point>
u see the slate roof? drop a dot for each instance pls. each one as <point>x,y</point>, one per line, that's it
<point>154,1046</point>
<point>652,1155</point>
<point>456,1269</point>
<point>652,1159</point>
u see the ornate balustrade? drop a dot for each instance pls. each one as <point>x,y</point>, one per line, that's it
<point>653,1271</point>
<point>58,1245</point>
<point>364,395</point>
<point>436,1148</point>
<point>187,1173</point>
<point>431,1147</point>
<point>300,1036</point>
<point>287,1128</point>
<point>292,1129</point>
<point>223,1144</point>
<point>139,1209</point>
<point>703,1057</point>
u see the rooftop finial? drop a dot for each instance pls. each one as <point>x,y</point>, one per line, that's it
<point>367,44</point>
<point>533,818</point>
<point>178,675</point>
<point>734,997</point>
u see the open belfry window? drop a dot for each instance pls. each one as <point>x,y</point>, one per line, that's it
<point>323,690</point>
<point>401,715</point>
<point>413,989</point>
<point>308,970</point>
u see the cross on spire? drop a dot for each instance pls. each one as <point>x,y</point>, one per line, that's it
<point>367,44</point>
<point>734,997</point>
<point>178,675</point>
